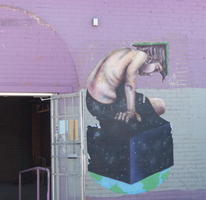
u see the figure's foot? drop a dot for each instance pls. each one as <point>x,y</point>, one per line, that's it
<point>158,105</point>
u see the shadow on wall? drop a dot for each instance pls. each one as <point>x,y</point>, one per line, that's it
<point>33,56</point>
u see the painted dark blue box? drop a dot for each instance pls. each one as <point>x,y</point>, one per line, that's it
<point>122,154</point>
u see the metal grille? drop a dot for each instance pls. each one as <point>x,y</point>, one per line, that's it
<point>67,147</point>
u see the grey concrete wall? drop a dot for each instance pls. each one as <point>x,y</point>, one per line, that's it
<point>186,113</point>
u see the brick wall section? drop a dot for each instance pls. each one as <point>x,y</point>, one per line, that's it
<point>181,23</point>
<point>33,57</point>
<point>189,144</point>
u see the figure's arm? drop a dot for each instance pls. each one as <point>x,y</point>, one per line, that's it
<point>130,86</point>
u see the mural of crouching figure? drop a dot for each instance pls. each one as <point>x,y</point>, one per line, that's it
<point>111,86</point>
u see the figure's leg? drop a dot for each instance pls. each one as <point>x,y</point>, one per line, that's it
<point>158,105</point>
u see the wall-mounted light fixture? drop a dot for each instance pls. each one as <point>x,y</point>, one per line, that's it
<point>95,21</point>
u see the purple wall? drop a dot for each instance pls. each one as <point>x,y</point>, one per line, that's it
<point>181,23</point>
<point>33,58</point>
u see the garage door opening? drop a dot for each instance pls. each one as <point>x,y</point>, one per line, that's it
<point>24,143</point>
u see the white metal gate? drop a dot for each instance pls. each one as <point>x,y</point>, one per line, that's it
<point>67,147</point>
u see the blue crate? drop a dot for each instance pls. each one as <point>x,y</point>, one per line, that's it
<point>130,155</point>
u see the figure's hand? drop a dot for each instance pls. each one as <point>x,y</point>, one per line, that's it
<point>126,116</point>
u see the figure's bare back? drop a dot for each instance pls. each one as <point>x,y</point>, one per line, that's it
<point>111,72</point>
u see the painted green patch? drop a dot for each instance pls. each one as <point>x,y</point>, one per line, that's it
<point>96,176</point>
<point>117,189</point>
<point>149,43</point>
<point>142,186</point>
<point>151,182</point>
<point>165,176</point>
<point>156,43</point>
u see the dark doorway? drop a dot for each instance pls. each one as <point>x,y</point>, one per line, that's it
<point>24,143</point>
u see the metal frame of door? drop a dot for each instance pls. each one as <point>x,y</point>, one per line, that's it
<point>66,109</point>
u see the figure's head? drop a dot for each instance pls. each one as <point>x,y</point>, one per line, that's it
<point>156,60</point>
<point>150,68</point>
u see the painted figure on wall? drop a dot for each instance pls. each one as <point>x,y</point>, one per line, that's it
<point>119,71</point>
<point>132,137</point>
